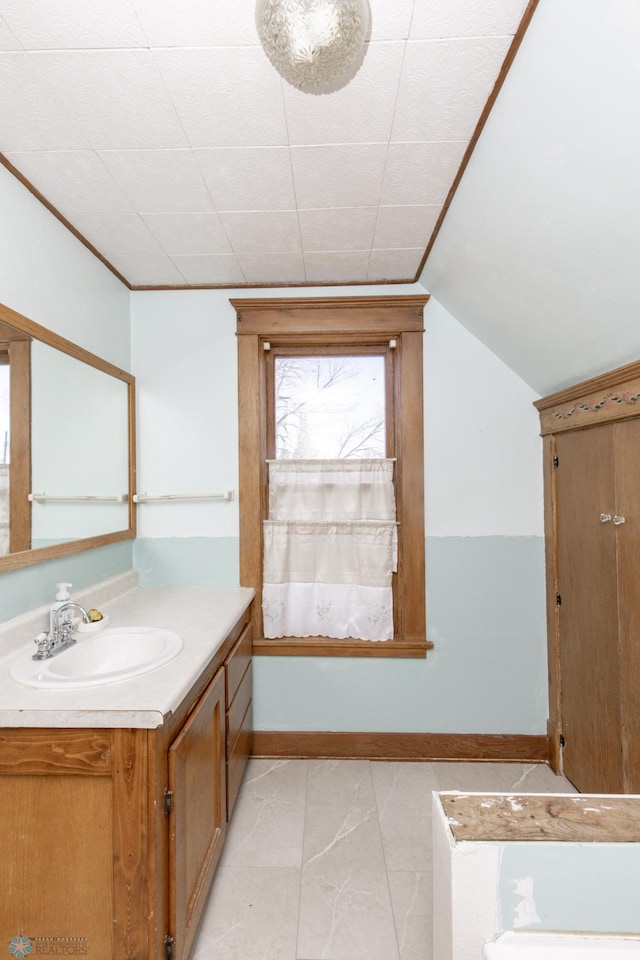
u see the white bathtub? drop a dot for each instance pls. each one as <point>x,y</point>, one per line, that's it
<point>561,946</point>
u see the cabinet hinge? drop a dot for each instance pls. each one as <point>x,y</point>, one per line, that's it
<point>556,461</point>
<point>168,801</point>
<point>169,948</point>
<point>558,599</point>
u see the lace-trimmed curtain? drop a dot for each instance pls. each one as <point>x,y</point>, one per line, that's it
<point>330,549</point>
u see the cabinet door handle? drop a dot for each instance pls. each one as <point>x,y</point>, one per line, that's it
<point>618,521</point>
<point>605,517</point>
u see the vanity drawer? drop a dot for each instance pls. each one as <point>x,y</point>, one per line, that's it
<point>237,663</point>
<point>237,758</point>
<point>237,710</point>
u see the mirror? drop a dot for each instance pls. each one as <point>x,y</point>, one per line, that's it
<point>67,446</point>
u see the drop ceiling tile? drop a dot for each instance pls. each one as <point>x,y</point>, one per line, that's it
<point>74,181</point>
<point>188,234</point>
<point>420,173</point>
<point>7,39</point>
<point>343,267</point>
<point>405,226</point>
<point>225,96</point>
<point>209,269</point>
<point>445,86</point>
<point>361,112</point>
<point>345,228</point>
<point>197,23</point>
<point>117,233</point>
<point>394,264</point>
<point>159,181</point>
<point>117,96</point>
<point>32,117</point>
<point>338,176</point>
<point>48,24</point>
<point>273,231</point>
<point>148,271</point>
<point>391,21</point>
<point>276,268</point>
<point>248,178</point>
<point>466,18</point>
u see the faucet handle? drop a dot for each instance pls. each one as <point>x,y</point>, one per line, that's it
<point>43,643</point>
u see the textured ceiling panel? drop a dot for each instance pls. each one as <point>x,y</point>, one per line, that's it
<point>241,178</point>
<point>73,24</point>
<point>164,137</point>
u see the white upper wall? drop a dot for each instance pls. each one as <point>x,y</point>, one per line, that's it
<point>483,455</point>
<point>483,452</point>
<point>538,255</point>
<point>50,277</point>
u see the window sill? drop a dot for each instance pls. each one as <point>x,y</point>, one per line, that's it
<point>324,647</point>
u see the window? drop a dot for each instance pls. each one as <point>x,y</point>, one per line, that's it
<point>327,406</point>
<point>280,344</point>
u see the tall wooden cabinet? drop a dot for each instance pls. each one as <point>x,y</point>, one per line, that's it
<point>592,508</point>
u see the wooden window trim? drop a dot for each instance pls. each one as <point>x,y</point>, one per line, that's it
<point>324,321</point>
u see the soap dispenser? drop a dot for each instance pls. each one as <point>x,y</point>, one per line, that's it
<point>62,596</point>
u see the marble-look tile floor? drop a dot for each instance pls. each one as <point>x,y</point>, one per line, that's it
<point>331,859</point>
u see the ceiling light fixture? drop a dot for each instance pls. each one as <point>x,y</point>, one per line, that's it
<point>316,45</point>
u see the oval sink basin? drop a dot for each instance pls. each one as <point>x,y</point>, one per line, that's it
<point>115,653</point>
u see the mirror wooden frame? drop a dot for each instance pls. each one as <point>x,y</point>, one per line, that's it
<point>25,558</point>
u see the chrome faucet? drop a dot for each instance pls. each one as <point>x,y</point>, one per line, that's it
<point>61,630</point>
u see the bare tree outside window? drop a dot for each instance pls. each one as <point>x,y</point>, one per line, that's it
<point>330,407</point>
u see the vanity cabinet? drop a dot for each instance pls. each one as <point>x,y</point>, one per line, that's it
<point>109,838</point>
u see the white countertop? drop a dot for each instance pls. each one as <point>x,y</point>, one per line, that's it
<point>203,616</point>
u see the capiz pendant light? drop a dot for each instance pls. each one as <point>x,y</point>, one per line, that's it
<point>314,44</point>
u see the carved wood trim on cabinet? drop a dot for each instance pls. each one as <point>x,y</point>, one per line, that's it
<point>612,396</point>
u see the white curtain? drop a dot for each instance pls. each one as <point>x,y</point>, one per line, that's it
<point>330,548</point>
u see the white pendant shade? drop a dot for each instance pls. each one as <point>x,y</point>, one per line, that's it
<point>314,44</point>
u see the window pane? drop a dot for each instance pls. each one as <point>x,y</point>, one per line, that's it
<point>329,407</point>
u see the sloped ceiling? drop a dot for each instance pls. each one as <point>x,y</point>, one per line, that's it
<point>163,135</point>
<point>160,131</point>
<point>539,254</point>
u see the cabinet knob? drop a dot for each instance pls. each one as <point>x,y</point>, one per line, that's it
<point>618,521</point>
<point>605,517</point>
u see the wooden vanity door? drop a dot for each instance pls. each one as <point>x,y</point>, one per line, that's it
<point>198,818</point>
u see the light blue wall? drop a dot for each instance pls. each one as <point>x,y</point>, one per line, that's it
<point>187,561</point>
<point>487,673</point>
<point>484,544</point>
<point>50,277</point>
<point>591,887</point>
<point>31,587</point>
<point>484,551</point>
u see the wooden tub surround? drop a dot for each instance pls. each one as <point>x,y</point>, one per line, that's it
<point>558,818</point>
<point>110,835</point>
